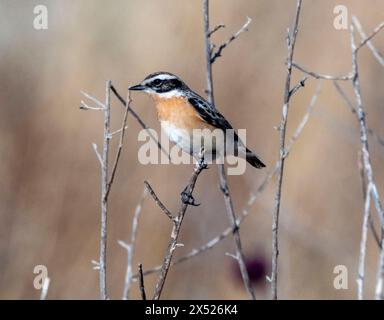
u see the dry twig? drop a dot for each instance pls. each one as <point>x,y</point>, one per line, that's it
<point>218,27</point>
<point>158,201</point>
<point>131,246</point>
<point>106,180</point>
<point>352,108</point>
<point>177,222</point>
<point>210,59</point>
<point>321,76</point>
<point>371,185</point>
<point>370,190</point>
<point>379,57</point>
<point>141,282</point>
<point>365,39</point>
<point>240,258</point>
<point>215,55</point>
<point>364,191</point>
<point>291,41</point>
<point>104,197</point>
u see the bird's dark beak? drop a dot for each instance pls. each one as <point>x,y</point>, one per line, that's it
<point>138,87</point>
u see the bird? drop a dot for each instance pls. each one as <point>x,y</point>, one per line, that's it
<point>181,112</point>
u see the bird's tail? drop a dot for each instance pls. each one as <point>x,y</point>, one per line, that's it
<point>253,160</point>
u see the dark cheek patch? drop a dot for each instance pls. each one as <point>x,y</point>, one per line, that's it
<point>175,83</point>
<point>169,85</point>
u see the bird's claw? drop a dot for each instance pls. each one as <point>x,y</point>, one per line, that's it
<point>187,198</point>
<point>204,166</point>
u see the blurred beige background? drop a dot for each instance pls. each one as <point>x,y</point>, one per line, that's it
<point>49,187</point>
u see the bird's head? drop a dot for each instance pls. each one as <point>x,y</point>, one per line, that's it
<point>162,85</point>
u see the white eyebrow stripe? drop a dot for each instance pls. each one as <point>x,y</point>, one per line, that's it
<point>164,76</point>
<point>160,77</point>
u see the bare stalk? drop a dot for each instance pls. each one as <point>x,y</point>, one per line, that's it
<point>240,258</point>
<point>366,158</point>
<point>210,59</point>
<point>321,76</point>
<point>367,39</point>
<point>158,201</point>
<point>218,27</point>
<point>370,192</point>
<point>291,40</point>
<point>141,283</point>
<point>379,57</point>
<point>352,108</point>
<point>363,245</point>
<point>120,146</point>
<point>217,54</point>
<point>177,222</point>
<point>364,191</point>
<point>131,246</point>
<point>208,52</point>
<point>106,180</point>
<point>104,192</point>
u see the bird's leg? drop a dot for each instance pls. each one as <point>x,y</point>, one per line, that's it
<point>186,194</point>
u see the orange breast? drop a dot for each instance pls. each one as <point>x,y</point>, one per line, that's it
<point>180,113</point>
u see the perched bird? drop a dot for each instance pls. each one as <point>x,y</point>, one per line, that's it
<point>181,111</point>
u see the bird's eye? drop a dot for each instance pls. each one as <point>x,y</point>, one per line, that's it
<point>156,82</point>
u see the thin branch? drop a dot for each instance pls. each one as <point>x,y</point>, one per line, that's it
<point>218,27</point>
<point>321,76</point>
<point>199,167</point>
<point>218,52</point>
<point>363,245</point>
<point>135,220</point>
<point>208,53</point>
<point>222,175</point>
<point>379,292</point>
<point>98,155</point>
<point>84,106</point>
<point>374,232</point>
<point>363,129</point>
<point>352,108</point>
<point>118,131</point>
<point>364,191</point>
<point>345,98</point>
<point>158,201</point>
<point>253,196</point>
<point>104,188</point>
<point>365,38</point>
<point>96,101</point>
<point>141,282</point>
<point>282,129</point>
<point>140,121</point>
<point>131,246</point>
<point>120,146</point>
<point>106,181</point>
<point>379,57</point>
<point>233,256</point>
<point>297,86</point>
<point>366,158</point>
<point>236,233</point>
<point>194,252</point>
